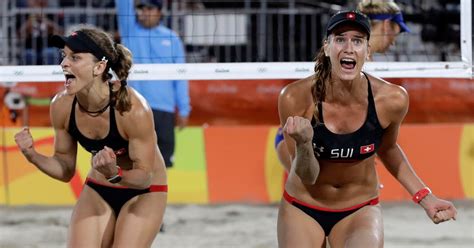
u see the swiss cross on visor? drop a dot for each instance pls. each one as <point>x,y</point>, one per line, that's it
<point>350,16</point>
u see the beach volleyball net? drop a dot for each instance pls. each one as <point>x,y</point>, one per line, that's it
<point>242,39</point>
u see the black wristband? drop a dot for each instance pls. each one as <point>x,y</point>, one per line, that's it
<point>117,178</point>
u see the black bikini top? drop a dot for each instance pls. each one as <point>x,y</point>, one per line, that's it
<point>112,140</point>
<point>351,147</point>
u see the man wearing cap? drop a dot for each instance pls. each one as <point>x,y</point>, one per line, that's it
<point>153,43</point>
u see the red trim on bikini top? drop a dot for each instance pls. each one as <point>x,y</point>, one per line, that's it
<point>291,199</point>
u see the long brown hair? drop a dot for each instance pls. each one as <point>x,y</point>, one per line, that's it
<point>322,75</point>
<point>119,59</point>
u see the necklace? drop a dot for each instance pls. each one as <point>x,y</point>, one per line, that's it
<point>93,113</point>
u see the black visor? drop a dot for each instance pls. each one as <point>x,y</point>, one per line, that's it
<point>349,17</point>
<point>78,42</point>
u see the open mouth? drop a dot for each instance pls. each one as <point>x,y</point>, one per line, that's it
<point>69,78</point>
<point>348,63</point>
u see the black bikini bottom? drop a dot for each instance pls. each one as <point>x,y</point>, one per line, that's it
<point>326,217</point>
<point>117,196</point>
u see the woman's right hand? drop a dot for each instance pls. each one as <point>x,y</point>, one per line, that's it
<point>24,140</point>
<point>299,128</point>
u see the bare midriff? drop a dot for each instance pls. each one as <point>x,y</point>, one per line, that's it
<point>339,185</point>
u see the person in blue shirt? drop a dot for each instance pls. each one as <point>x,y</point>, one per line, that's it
<point>151,42</point>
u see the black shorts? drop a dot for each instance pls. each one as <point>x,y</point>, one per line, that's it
<point>164,128</point>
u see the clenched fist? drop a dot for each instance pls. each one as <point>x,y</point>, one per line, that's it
<point>105,162</point>
<point>24,140</point>
<point>299,129</point>
<point>438,210</point>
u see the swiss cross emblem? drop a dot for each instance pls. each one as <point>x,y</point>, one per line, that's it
<point>350,16</point>
<point>367,149</point>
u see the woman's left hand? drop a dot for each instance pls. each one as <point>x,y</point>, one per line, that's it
<point>105,162</point>
<point>438,210</point>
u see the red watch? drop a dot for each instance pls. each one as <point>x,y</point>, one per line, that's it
<point>422,193</point>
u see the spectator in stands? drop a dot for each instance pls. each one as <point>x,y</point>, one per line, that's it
<point>83,3</point>
<point>34,33</point>
<point>124,198</point>
<point>151,42</point>
<point>335,122</point>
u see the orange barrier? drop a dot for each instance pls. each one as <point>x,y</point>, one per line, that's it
<point>435,100</point>
<point>434,152</point>
<point>254,102</point>
<point>238,164</point>
<point>235,167</point>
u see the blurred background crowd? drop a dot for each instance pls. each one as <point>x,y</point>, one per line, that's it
<point>228,31</point>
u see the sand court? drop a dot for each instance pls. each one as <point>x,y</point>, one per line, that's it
<point>237,225</point>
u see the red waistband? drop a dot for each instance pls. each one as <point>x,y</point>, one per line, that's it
<point>152,188</point>
<point>291,199</point>
<point>158,188</point>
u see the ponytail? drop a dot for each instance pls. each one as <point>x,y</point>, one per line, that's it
<point>121,67</point>
<point>322,71</point>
